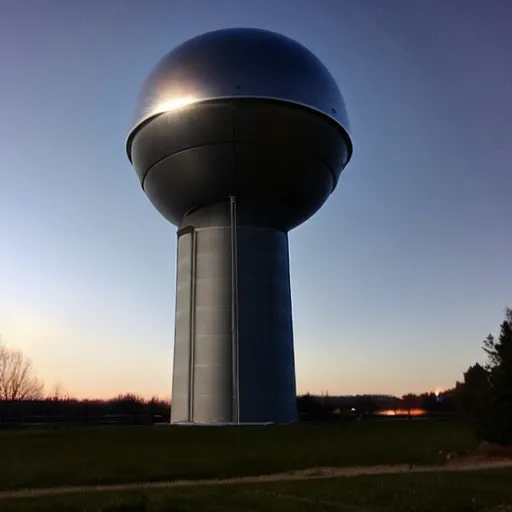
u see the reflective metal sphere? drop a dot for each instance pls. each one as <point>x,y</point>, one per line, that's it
<point>240,112</point>
<point>239,63</point>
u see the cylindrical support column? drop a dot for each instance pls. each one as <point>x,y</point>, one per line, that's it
<point>204,386</point>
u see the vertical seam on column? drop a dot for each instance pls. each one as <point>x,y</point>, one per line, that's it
<point>232,327</point>
<point>234,314</point>
<point>235,359</point>
<point>192,327</point>
<point>174,363</point>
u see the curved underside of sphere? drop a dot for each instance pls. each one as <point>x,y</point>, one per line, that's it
<point>280,161</point>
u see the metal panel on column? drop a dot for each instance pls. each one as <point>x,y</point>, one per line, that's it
<point>184,329</point>
<point>213,351</point>
<point>267,372</point>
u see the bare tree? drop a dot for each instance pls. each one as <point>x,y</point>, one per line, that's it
<point>18,380</point>
<point>59,393</point>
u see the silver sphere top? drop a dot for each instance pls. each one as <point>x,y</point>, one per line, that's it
<point>239,63</point>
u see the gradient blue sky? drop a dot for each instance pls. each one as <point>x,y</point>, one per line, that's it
<point>395,281</point>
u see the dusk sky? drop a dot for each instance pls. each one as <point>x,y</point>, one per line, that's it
<point>395,281</point>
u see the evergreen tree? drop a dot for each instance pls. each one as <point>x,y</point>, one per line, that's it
<point>487,390</point>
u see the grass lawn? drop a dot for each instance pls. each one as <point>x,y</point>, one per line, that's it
<point>484,491</point>
<point>126,454</point>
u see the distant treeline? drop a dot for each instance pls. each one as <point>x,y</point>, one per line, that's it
<point>125,409</point>
<point>133,410</point>
<point>336,407</point>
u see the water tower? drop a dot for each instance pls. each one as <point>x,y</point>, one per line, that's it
<point>240,135</point>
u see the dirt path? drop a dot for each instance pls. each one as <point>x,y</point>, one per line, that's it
<point>305,474</point>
